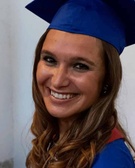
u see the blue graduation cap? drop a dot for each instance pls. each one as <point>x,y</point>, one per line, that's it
<point>110,20</point>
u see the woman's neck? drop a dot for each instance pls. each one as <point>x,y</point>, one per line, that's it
<point>64,125</point>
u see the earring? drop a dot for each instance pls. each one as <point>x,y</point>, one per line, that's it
<point>105,89</point>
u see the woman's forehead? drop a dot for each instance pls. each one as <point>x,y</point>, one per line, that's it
<point>76,42</point>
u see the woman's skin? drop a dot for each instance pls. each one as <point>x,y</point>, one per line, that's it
<point>70,74</point>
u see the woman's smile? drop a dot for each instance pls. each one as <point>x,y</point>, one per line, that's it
<point>62,96</point>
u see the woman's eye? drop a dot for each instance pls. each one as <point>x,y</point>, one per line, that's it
<point>49,60</point>
<point>81,67</point>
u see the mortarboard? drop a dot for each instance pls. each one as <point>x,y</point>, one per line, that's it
<point>110,20</point>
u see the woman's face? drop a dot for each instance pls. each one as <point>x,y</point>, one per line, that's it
<point>70,73</point>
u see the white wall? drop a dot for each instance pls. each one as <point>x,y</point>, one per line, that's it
<point>6,124</point>
<point>126,100</point>
<point>20,34</point>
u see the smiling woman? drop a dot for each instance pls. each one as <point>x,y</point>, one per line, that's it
<point>71,62</point>
<point>76,79</point>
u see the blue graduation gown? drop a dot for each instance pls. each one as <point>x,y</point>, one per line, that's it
<point>114,155</point>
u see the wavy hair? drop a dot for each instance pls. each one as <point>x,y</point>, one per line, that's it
<point>88,134</point>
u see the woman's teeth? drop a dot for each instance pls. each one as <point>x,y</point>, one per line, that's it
<point>61,96</point>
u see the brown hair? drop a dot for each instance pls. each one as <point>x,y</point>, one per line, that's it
<point>88,134</point>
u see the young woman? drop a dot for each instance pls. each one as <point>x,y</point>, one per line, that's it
<point>76,79</point>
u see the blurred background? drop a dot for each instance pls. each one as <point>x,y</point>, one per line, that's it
<point>19,33</point>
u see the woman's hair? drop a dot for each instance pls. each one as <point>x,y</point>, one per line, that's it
<point>88,134</point>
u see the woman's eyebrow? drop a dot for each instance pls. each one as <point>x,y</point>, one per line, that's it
<point>79,58</point>
<point>47,52</point>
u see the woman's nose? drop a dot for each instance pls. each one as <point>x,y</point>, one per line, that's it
<point>60,77</point>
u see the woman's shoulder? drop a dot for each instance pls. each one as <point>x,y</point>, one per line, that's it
<point>114,155</point>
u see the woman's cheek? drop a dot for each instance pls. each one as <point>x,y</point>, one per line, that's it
<point>38,75</point>
<point>42,75</point>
